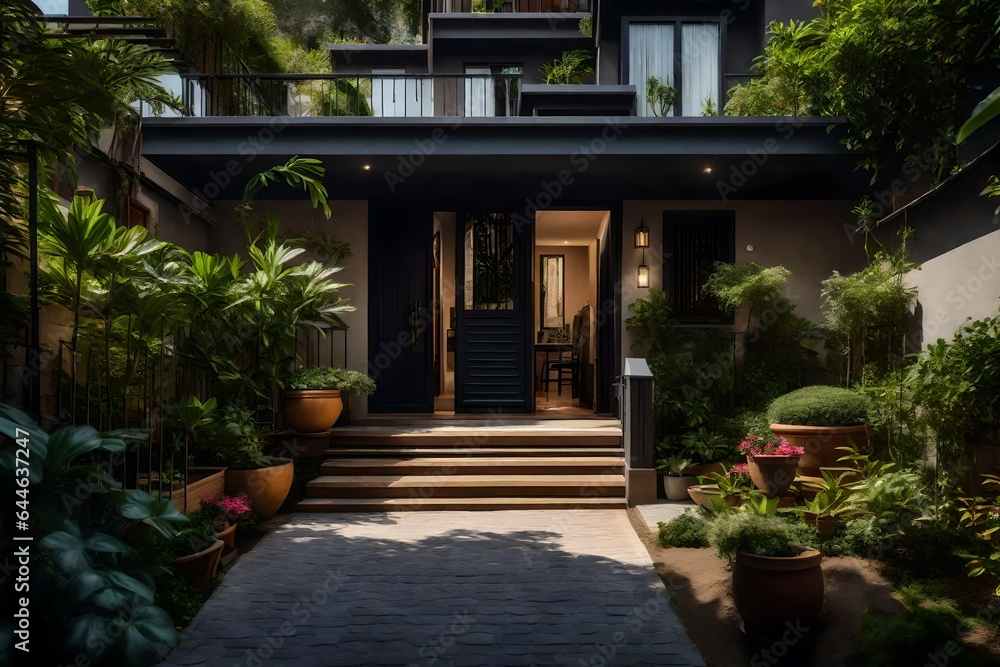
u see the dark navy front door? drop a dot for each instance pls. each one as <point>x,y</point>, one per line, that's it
<point>494,308</point>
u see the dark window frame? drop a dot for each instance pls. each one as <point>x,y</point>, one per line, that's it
<point>725,220</point>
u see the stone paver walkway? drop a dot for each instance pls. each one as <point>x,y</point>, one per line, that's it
<point>442,589</point>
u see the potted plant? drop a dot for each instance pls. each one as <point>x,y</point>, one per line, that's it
<point>776,580</point>
<point>832,494</point>
<point>227,513</point>
<point>727,491</point>
<point>312,400</point>
<point>771,463</point>
<point>264,480</point>
<point>675,481</point>
<point>710,452</point>
<point>195,420</point>
<point>820,419</point>
<point>197,552</point>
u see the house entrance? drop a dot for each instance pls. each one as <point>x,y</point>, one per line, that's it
<point>501,315</point>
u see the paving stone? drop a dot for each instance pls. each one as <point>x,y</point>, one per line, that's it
<point>444,588</point>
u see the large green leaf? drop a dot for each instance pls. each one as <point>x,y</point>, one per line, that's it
<point>68,552</point>
<point>140,506</point>
<point>67,444</point>
<point>984,112</point>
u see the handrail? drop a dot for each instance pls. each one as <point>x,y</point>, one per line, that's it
<point>338,94</point>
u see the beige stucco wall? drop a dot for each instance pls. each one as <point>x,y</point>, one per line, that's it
<point>810,238</point>
<point>961,284</point>
<point>349,223</point>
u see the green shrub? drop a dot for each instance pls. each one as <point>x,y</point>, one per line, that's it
<point>862,537</point>
<point>820,405</point>
<point>176,596</point>
<point>326,377</point>
<point>687,530</point>
<point>757,534</point>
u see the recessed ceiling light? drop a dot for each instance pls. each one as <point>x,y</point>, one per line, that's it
<point>565,242</point>
<point>367,167</point>
<point>708,170</point>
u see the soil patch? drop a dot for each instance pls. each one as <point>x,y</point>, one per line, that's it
<point>699,585</point>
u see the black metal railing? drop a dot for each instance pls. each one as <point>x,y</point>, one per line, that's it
<point>376,95</point>
<point>511,6</point>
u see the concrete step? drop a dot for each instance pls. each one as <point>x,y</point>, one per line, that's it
<point>534,452</point>
<point>455,504</point>
<point>466,486</point>
<point>476,465</point>
<point>472,438</point>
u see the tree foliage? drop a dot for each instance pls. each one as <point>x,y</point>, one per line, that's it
<point>899,70</point>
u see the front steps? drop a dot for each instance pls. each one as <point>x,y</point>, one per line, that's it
<point>469,465</point>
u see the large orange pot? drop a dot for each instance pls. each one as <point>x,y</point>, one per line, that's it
<point>312,410</point>
<point>772,591</point>
<point>821,443</point>
<point>266,487</point>
<point>772,475</point>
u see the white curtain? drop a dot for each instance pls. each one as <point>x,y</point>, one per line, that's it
<point>480,96</point>
<point>651,53</point>
<point>699,67</point>
<point>401,97</point>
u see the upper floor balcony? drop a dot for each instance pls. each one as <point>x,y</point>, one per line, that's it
<point>482,92</point>
<point>511,6</point>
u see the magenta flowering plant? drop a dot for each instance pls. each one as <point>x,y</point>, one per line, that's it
<point>754,445</point>
<point>740,469</point>
<point>230,508</point>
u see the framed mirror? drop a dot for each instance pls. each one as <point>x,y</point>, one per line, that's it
<point>553,292</point>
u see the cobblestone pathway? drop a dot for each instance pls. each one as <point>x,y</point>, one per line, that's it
<point>442,589</point>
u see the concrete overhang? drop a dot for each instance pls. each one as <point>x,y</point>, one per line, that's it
<point>580,157</point>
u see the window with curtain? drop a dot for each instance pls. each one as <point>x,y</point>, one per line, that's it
<point>401,97</point>
<point>685,55</point>
<point>651,53</point>
<point>699,67</point>
<point>480,96</point>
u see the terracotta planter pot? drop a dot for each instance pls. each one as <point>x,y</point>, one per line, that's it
<point>228,535</point>
<point>702,494</point>
<point>676,488</point>
<point>773,475</point>
<point>199,568</point>
<point>266,488</point>
<point>312,410</point>
<point>202,483</point>
<point>824,523</point>
<point>821,443</point>
<point>769,592</point>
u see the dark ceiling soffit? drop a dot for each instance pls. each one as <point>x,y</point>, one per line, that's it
<point>505,136</point>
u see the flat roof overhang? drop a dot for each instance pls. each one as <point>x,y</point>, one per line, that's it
<point>597,159</point>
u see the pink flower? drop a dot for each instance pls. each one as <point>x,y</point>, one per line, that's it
<point>756,446</point>
<point>740,469</point>
<point>231,506</point>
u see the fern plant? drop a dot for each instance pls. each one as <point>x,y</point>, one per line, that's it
<point>571,68</point>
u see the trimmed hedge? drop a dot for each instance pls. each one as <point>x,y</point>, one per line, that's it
<point>820,405</point>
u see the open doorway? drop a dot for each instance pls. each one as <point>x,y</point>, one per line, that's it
<point>566,266</point>
<point>560,340</point>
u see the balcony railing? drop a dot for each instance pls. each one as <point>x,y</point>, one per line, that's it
<point>511,6</point>
<point>376,95</point>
